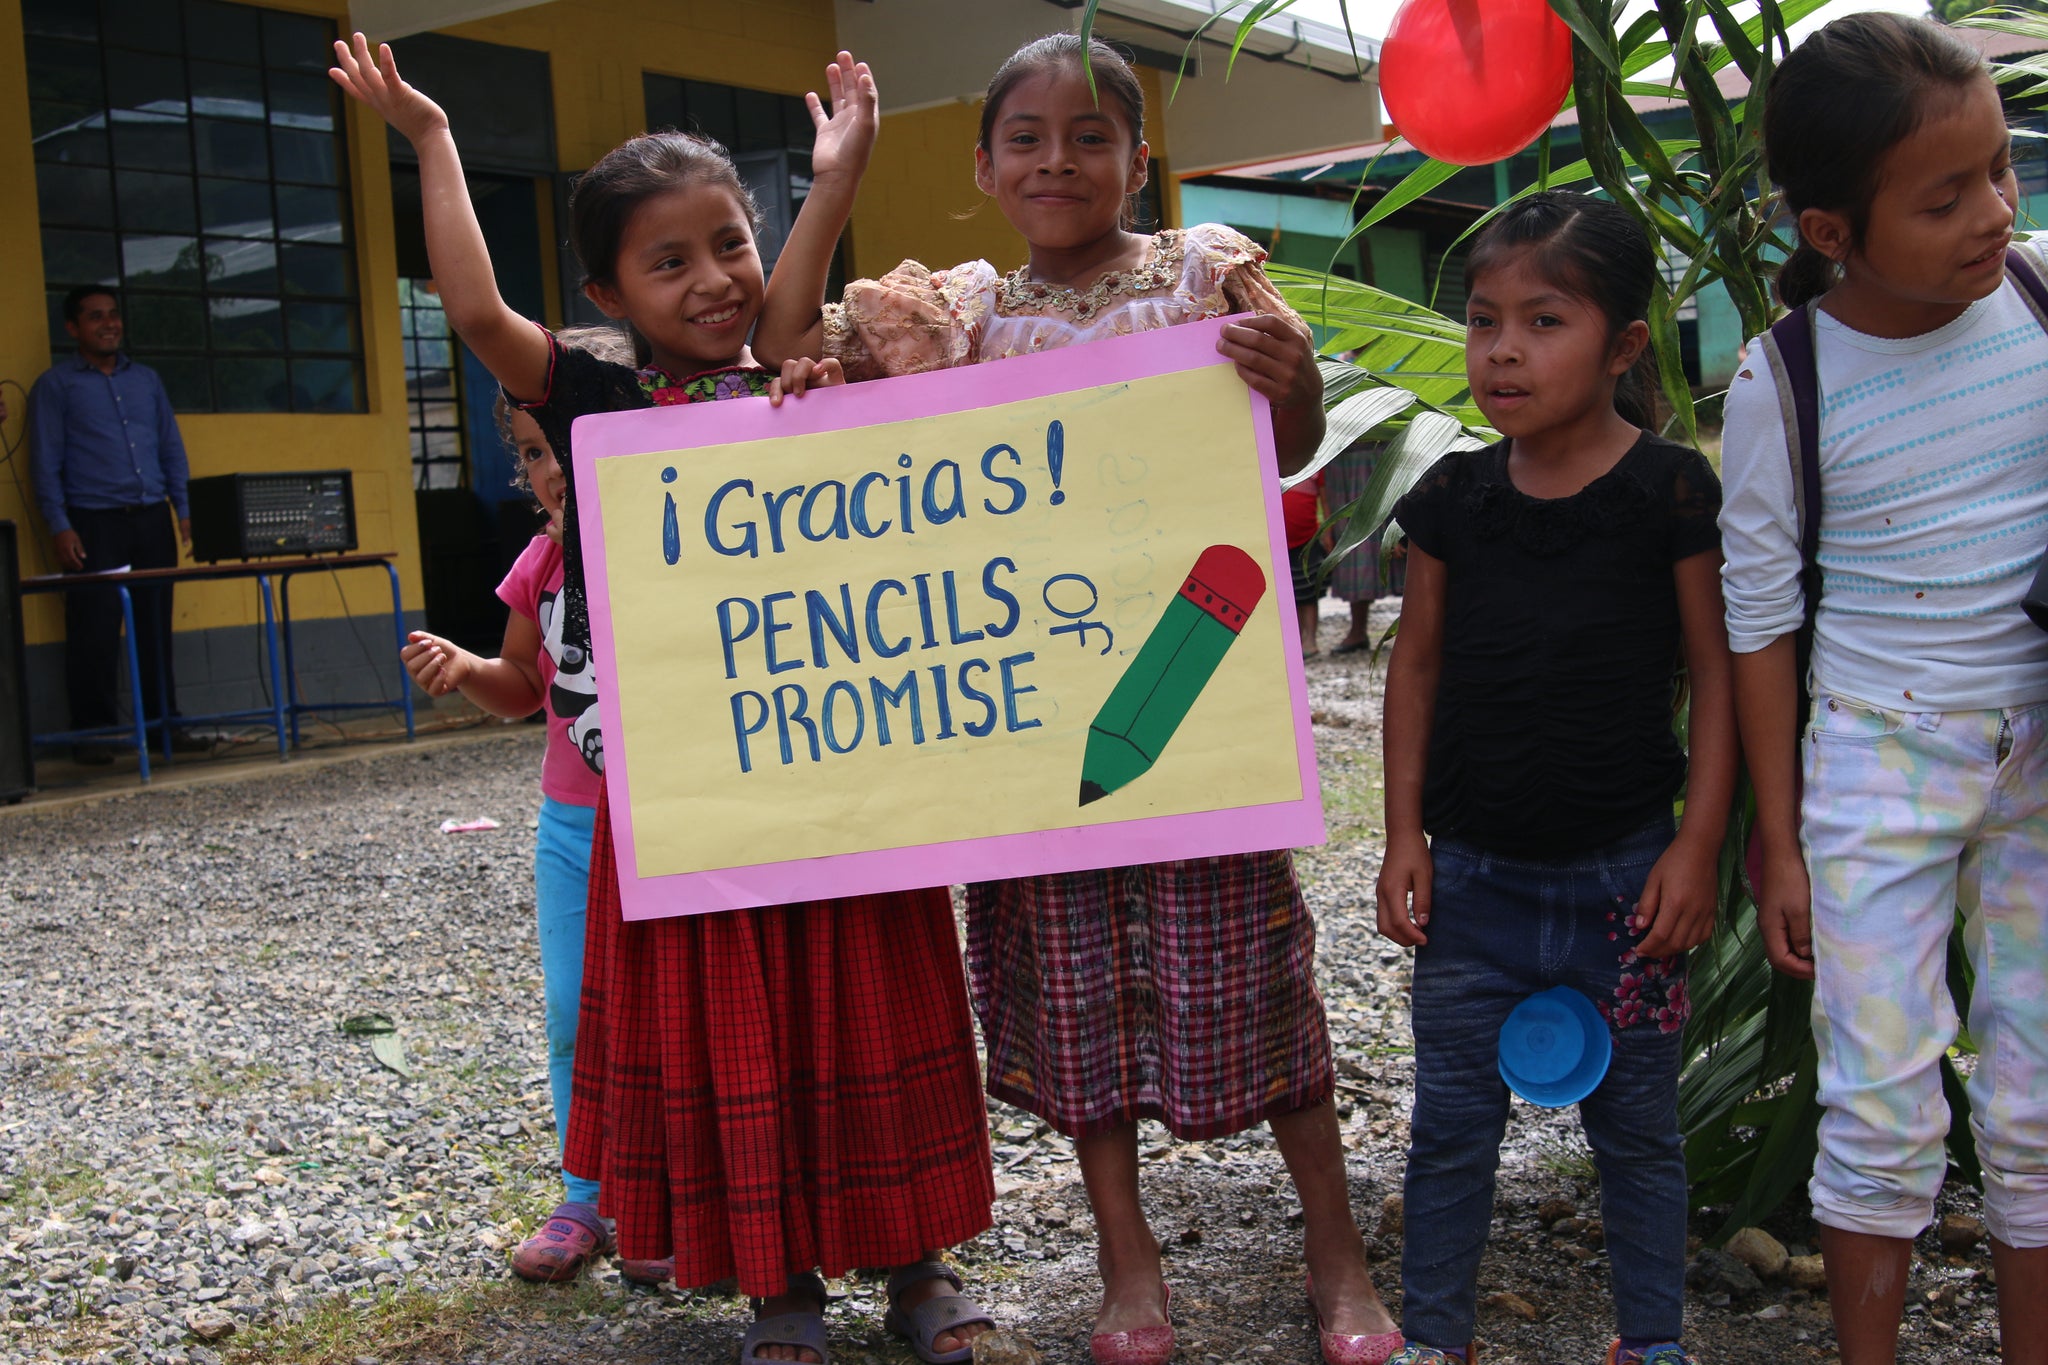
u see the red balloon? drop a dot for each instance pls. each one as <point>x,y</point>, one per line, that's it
<point>1473,81</point>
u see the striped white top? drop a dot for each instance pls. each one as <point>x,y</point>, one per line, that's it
<point>1934,511</point>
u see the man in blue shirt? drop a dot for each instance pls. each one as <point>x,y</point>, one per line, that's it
<point>105,457</point>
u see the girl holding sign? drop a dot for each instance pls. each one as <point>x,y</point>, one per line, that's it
<point>1097,989</point>
<point>761,1093</point>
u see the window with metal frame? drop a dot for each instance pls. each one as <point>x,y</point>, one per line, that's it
<point>433,388</point>
<point>191,155</point>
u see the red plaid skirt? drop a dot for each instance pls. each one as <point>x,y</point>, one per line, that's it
<point>1183,992</point>
<point>764,1092</point>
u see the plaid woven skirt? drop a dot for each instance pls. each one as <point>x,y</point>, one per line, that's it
<point>764,1092</point>
<point>1181,991</point>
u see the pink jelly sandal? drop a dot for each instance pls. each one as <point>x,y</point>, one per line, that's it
<point>1140,1345</point>
<point>1352,1348</point>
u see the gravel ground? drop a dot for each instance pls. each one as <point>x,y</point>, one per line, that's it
<point>198,1164</point>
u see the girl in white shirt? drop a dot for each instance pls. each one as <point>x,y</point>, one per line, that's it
<point>1925,756</point>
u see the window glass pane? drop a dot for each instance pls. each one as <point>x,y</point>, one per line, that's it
<point>151,141</point>
<point>165,321</point>
<point>69,132</point>
<point>663,96</point>
<point>317,270</point>
<point>155,203</point>
<point>152,25</point>
<point>302,101</point>
<point>247,325</point>
<point>60,340</point>
<point>254,384</point>
<point>67,72</point>
<point>74,196</point>
<point>305,214</point>
<point>79,258</point>
<point>298,41</point>
<point>710,110</point>
<point>235,208</point>
<point>324,386</point>
<point>243,267</point>
<point>222,91</point>
<point>59,19</point>
<point>226,33</point>
<point>160,262</point>
<point>236,149</point>
<point>759,116</point>
<point>302,157</point>
<point>185,380</point>
<point>321,326</point>
<point>146,83</point>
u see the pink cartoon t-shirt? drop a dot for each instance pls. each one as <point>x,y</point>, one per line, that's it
<point>573,771</point>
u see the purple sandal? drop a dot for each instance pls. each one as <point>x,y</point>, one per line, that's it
<point>805,1331</point>
<point>922,1323</point>
<point>566,1243</point>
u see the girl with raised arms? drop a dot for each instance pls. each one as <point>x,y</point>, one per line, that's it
<point>1925,750</point>
<point>761,1093</point>
<point>1177,991</point>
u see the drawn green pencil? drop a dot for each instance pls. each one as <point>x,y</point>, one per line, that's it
<point>1171,668</point>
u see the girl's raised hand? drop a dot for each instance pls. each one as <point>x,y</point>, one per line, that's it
<point>803,373</point>
<point>375,81</point>
<point>846,133</point>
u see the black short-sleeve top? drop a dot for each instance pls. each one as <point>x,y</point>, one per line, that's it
<point>580,383</point>
<point>1553,728</point>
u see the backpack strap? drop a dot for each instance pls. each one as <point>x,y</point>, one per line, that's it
<point>1790,346</point>
<point>2032,288</point>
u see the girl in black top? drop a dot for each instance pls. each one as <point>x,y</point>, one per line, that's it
<point>1552,579</point>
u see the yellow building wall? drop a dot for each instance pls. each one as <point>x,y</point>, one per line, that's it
<point>919,200</point>
<point>598,50</point>
<point>372,444</point>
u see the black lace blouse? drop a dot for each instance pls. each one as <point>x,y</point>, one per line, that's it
<point>1553,728</point>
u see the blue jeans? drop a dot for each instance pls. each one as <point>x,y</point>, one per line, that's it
<point>561,884</point>
<point>1502,929</point>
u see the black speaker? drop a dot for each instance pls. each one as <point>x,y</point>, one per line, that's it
<point>247,516</point>
<point>17,763</point>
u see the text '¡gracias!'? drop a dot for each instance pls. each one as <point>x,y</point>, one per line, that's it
<point>868,624</point>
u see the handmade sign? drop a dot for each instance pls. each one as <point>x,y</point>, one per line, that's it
<point>1017,618</point>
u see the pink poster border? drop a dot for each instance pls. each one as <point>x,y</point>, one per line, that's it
<point>1240,829</point>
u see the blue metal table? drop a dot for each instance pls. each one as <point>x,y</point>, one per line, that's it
<point>285,707</point>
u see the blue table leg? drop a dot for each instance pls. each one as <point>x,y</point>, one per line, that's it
<point>398,626</point>
<point>291,664</point>
<point>277,697</point>
<point>135,680</point>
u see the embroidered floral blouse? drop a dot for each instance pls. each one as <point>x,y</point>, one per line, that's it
<point>914,319</point>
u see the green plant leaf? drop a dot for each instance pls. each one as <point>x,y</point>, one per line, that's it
<point>1348,421</point>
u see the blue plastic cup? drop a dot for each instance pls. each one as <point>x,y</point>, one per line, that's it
<point>1554,1048</point>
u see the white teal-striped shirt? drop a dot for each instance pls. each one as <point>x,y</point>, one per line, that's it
<point>1934,511</point>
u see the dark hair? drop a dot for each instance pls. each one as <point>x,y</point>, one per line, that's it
<point>1592,249</point>
<point>1843,98</point>
<point>607,341</point>
<point>74,301</point>
<point>1115,80</point>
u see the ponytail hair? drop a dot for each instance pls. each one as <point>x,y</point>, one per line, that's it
<point>1843,99</point>
<point>1593,250</point>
